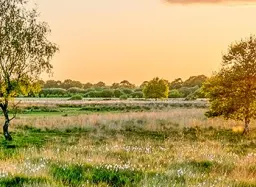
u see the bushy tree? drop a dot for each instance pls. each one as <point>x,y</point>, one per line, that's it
<point>126,84</point>
<point>68,83</point>
<point>143,84</point>
<point>156,88</point>
<point>52,84</point>
<point>176,84</point>
<point>25,53</point>
<point>115,85</point>
<point>232,91</point>
<point>87,85</point>
<point>100,85</point>
<point>195,81</point>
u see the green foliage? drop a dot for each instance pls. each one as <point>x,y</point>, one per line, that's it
<point>92,94</point>
<point>174,94</point>
<point>126,84</point>
<point>107,93</point>
<point>118,93</point>
<point>127,91</point>
<point>89,90</point>
<point>138,94</point>
<point>195,81</point>
<point>156,88</point>
<point>52,84</point>
<point>196,94</point>
<point>232,91</point>
<point>185,91</point>
<point>87,85</point>
<point>68,83</point>
<point>25,51</point>
<point>176,84</point>
<point>52,92</point>
<point>115,85</point>
<point>99,85</point>
<point>76,97</point>
<point>76,90</point>
<point>142,86</point>
<point>123,97</point>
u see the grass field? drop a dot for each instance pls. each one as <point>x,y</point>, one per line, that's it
<point>131,144</point>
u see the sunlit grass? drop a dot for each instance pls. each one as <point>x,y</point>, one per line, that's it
<point>178,147</point>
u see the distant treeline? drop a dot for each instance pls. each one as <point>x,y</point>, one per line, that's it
<point>189,89</point>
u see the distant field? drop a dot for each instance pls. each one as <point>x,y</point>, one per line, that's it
<point>105,101</point>
<point>125,143</point>
<point>65,107</point>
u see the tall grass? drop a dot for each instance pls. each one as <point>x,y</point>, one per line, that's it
<point>179,147</point>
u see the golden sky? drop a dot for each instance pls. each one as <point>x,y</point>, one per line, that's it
<point>136,40</point>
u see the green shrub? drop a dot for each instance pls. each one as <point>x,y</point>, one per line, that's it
<point>48,92</point>
<point>185,91</point>
<point>76,97</point>
<point>137,94</point>
<point>174,94</point>
<point>127,91</point>
<point>93,94</point>
<point>107,93</point>
<point>75,90</point>
<point>123,97</point>
<point>118,93</point>
<point>138,90</point>
<point>89,90</point>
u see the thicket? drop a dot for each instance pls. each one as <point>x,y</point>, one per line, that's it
<point>190,89</point>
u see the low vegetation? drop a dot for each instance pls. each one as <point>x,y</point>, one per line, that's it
<point>175,146</point>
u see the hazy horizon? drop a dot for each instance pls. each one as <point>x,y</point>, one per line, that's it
<point>137,40</point>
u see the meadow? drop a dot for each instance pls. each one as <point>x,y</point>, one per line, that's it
<point>125,143</point>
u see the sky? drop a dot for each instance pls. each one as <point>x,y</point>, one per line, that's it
<point>137,40</point>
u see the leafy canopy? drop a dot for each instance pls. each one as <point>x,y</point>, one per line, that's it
<point>25,52</point>
<point>232,91</point>
<point>156,88</point>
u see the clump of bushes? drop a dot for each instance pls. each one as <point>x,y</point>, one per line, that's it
<point>123,97</point>
<point>118,93</point>
<point>137,94</point>
<point>108,93</point>
<point>127,91</point>
<point>76,97</point>
<point>75,90</point>
<point>52,92</point>
<point>175,94</point>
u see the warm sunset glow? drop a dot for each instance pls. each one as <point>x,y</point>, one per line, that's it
<point>137,40</point>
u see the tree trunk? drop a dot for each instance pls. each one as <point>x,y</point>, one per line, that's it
<point>246,126</point>
<point>6,123</point>
<point>5,130</point>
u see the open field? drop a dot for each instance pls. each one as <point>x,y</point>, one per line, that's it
<point>150,145</point>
